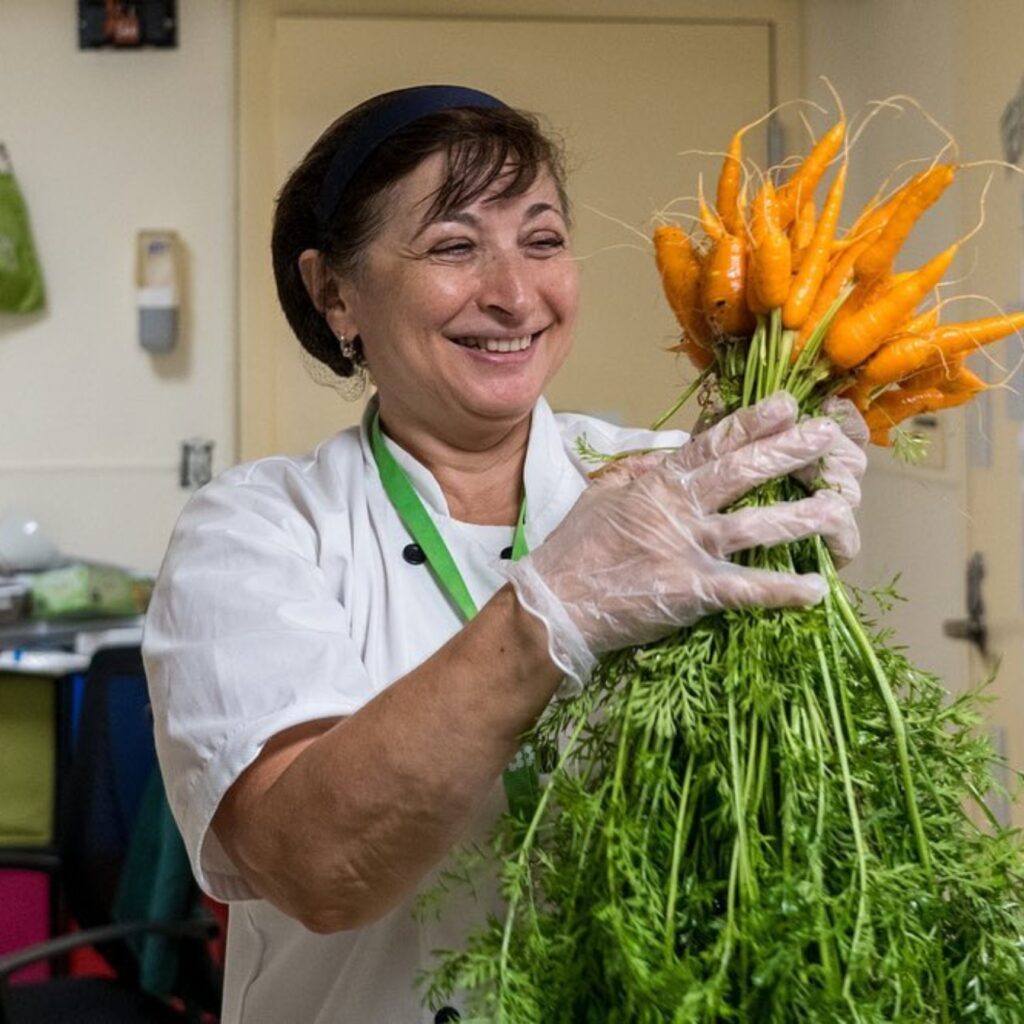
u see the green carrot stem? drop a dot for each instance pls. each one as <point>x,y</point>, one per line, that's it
<point>825,929</point>
<point>748,886</point>
<point>774,348</point>
<point>867,652</point>
<point>753,357</point>
<point>785,355</point>
<point>524,853</point>
<point>687,394</point>
<point>809,353</point>
<point>677,856</point>
<point>852,811</point>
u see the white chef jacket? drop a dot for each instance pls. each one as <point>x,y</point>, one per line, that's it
<point>288,594</point>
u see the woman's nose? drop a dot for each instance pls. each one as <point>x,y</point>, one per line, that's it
<point>505,286</point>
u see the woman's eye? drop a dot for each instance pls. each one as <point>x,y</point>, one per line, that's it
<point>457,248</point>
<point>547,244</point>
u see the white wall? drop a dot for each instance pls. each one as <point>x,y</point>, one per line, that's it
<point>106,143</point>
<point>963,61</point>
<point>913,521</point>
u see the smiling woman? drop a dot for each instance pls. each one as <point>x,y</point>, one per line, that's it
<point>464,316</point>
<point>344,650</point>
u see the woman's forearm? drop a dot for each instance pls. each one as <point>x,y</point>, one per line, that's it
<point>359,814</point>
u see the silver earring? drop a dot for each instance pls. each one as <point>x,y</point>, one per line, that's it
<point>348,350</point>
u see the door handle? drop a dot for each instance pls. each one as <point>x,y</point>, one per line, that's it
<point>974,628</point>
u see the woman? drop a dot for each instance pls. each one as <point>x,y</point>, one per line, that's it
<point>331,714</point>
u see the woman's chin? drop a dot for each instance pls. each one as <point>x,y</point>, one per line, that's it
<point>503,390</point>
<point>509,404</point>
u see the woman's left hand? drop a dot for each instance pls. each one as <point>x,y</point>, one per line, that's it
<point>842,469</point>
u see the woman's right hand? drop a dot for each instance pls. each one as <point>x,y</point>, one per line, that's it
<point>646,548</point>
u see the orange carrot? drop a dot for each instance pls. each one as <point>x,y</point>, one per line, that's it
<point>893,407</point>
<point>854,340</point>
<point>805,178</point>
<point>723,286</point>
<point>700,355</point>
<point>770,272</point>
<point>680,271</point>
<point>941,376</point>
<point>812,270</point>
<point>860,394</point>
<point>729,183</point>
<point>904,356</point>
<point>878,259</point>
<point>802,233</point>
<point>915,326</point>
<point>867,292</point>
<point>922,322</point>
<point>961,396</point>
<point>878,211</point>
<point>709,221</point>
<point>836,279</point>
<point>964,380</point>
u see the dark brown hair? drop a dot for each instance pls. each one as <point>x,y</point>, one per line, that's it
<point>480,145</point>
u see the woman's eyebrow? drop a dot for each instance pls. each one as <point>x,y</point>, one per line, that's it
<point>538,208</point>
<point>471,220</point>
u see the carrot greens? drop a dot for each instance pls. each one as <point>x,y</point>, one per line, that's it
<point>772,815</point>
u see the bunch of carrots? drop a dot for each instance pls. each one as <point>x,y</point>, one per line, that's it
<point>763,817</point>
<point>843,310</point>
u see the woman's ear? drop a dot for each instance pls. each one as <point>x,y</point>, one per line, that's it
<point>324,293</point>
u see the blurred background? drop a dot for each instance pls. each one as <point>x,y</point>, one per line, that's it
<point>149,174</point>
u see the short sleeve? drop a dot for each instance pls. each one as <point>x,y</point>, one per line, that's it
<point>245,637</point>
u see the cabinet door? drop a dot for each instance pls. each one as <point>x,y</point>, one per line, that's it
<point>629,96</point>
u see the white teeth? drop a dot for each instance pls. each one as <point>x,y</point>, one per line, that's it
<point>498,344</point>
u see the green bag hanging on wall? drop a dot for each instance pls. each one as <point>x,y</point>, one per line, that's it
<point>21,278</point>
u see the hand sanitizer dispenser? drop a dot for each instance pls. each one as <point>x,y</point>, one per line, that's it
<point>159,289</point>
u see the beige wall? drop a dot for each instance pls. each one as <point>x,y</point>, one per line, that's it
<point>106,143</point>
<point>987,70</point>
<point>962,59</point>
<point>870,50</point>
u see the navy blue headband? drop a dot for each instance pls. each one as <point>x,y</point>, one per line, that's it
<point>375,127</point>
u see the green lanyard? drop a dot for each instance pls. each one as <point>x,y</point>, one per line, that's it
<point>522,786</point>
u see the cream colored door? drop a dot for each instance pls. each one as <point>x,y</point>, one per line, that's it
<point>628,96</point>
<point>996,450</point>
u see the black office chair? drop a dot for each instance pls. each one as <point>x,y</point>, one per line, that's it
<point>123,874</point>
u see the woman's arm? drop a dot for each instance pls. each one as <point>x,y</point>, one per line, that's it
<point>335,822</point>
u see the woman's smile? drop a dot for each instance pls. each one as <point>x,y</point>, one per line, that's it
<point>488,345</point>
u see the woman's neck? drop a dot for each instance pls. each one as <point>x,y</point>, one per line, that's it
<point>482,483</point>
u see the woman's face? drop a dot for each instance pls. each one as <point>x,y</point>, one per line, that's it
<point>465,318</point>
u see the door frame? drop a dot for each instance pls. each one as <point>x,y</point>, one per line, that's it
<point>256,431</point>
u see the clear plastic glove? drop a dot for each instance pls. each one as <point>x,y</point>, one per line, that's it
<point>645,549</point>
<point>843,466</point>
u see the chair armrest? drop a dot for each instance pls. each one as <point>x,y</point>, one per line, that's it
<point>27,858</point>
<point>192,928</point>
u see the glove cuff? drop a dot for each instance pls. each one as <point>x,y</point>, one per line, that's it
<point>567,647</point>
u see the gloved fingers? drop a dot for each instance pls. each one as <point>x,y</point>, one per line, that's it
<point>837,526</point>
<point>723,534</point>
<point>622,471</point>
<point>770,416</point>
<point>741,586</point>
<point>848,416</point>
<point>718,484</point>
<point>840,470</point>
